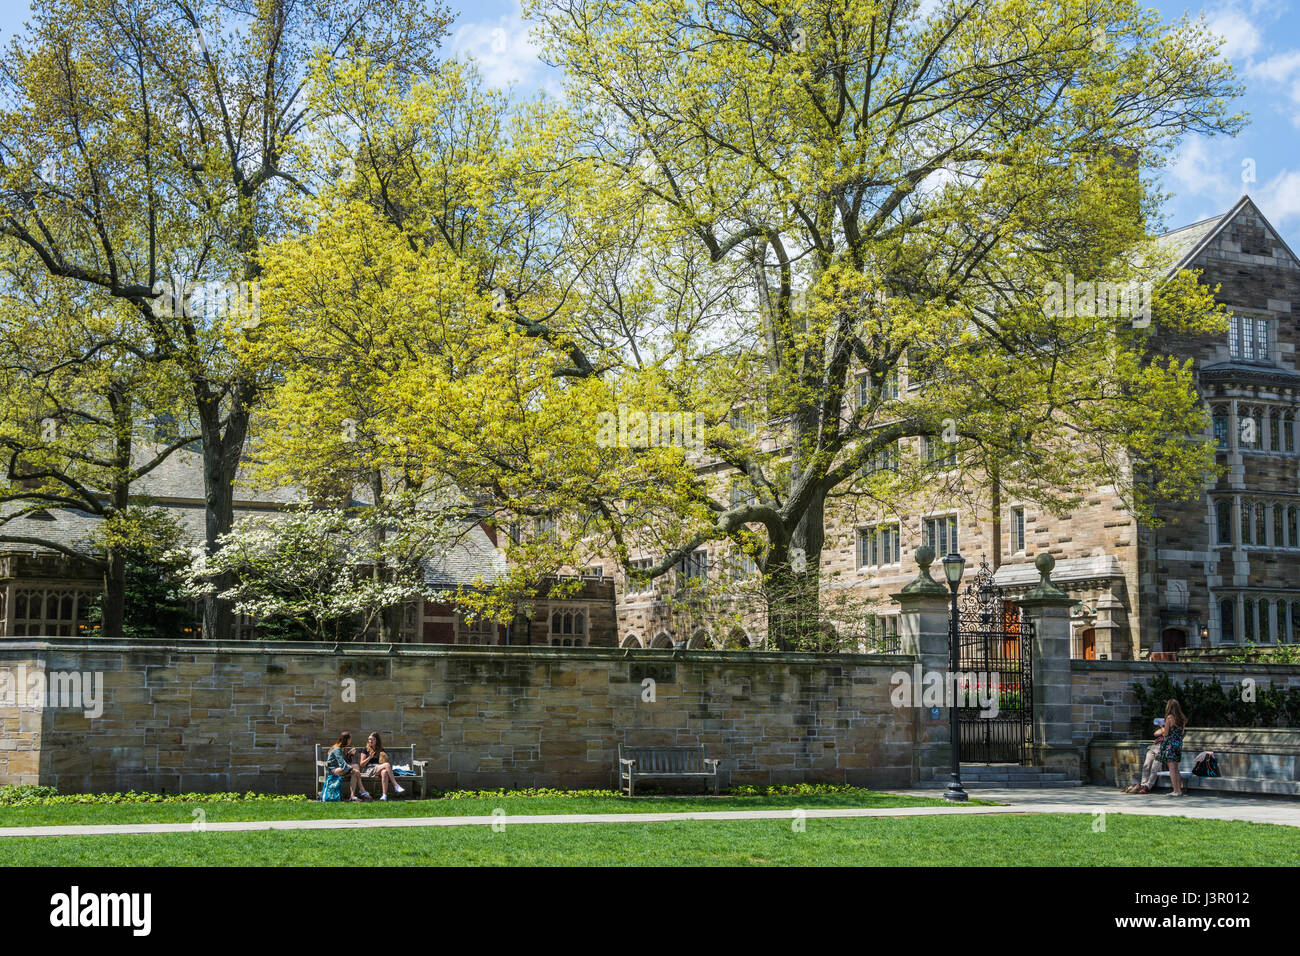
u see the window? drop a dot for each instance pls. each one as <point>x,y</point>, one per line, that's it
<point>941,534</point>
<point>1274,433</point>
<point>888,388</point>
<point>1247,522</point>
<point>1017,529</point>
<point>640,585</point>
<point>693,567</point>
<point>742,493</point>
<point>1248,618</point>
<point>1295,622</point>
<point>743,566</point>
<point>1227,622</point>
<point>1221,428</point>
<point>1293,527</point>
<point>1223,523</point>
<point>886,459</point>
<point>740,420</point>
<point>516,533</point>
<point>594,571</point>
<point>878,546</point>
<point>1248,428</point>
<point>40,612</point>
<point>1288,433</point>
<point>1279,532</point>
<point>568,627</point>
<point>478,631</point>
<point>545,526</point>
<point>941,454</point>
<point>1250,338</point>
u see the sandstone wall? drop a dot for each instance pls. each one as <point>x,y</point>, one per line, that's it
<point>195,716</point>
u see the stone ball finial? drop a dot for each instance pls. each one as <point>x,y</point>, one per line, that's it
<point>924,557</point>
<point>1044,563</point>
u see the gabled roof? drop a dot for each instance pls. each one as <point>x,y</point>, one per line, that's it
<point>1188,242</point>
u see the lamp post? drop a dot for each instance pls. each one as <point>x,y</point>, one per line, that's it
<point>953,566</point>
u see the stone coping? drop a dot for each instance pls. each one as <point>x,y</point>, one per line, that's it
<point>418,651</point>
<point>1232,735</point>
<point>1194,667</point>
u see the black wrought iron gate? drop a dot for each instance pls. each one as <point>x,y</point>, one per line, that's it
<point>995,647</point>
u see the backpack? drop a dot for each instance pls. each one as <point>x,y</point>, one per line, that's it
<point>333,788</point>
<point>1206,765</point>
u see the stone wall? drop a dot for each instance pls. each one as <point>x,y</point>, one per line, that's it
<point>196,716</point>
<point>1105,701</point>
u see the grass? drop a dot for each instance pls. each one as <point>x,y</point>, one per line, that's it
<point>79,814</point>
<point>952,840</point>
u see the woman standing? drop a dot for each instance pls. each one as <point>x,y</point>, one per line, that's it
<point>1171,743</point>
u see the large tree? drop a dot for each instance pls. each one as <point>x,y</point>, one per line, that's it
<point>147,144</point>
<point>765,219</point>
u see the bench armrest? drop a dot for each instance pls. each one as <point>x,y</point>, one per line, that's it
<point>419,763</point>
<point>714,762</point>
<point>625,762</point>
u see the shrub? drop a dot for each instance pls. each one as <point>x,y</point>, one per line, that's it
<point>1208,704</point>
<point>32,796</point>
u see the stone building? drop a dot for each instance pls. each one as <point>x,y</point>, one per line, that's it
<point>46,591</point>
<point>1222,569</point>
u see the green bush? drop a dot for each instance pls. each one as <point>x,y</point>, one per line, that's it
<point>795,789</point>
<point>32,796</point>
<point>1208,704</point>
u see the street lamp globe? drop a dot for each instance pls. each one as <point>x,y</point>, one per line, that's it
<point>953,566</point>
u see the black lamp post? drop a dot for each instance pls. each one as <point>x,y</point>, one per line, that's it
<point>953,566</point>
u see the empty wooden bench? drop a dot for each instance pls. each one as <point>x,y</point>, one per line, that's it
<point>664,763</point>
<point>416,785</point>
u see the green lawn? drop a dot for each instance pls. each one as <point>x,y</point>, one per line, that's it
<point>952,840</point>
<point>315,810</point>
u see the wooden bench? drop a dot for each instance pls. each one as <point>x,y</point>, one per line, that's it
<point>1287,788</point>
<point>664,763</point>
<point>399,756</point>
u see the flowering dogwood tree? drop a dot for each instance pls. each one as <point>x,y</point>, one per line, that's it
<point>329,571</point>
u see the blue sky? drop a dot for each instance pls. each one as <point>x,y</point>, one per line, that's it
<point>1262,39</point>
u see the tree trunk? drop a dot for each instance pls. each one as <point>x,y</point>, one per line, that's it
<point>793,584</point>
<point>221,457</point>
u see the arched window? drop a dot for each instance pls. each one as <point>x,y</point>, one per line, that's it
<point>1227,622</point>
<point>1249,427</point>
<point>1288,433</point>
<point>1261,524</point>
<point>1247,522</point>
<point>1248,617</point>
<point>662,641</point>
<point>1295,622</point>
<point>1221,427</point>
<point>631,641</point>
<point>1293,527</point>
<point>1223,523</point>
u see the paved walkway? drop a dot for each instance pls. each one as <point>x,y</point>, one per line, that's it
<point>1076,800</point>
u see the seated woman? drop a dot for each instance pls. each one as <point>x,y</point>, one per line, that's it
<point>339,763</point>
<point>374,761</point>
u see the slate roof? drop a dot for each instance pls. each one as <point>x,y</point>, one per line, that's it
<point>177,486</point>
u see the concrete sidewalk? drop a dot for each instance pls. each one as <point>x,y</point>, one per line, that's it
<point>1081,800</point>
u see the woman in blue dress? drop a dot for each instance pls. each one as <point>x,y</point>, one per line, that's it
<point>339,763</point>
<point>1171,743</point>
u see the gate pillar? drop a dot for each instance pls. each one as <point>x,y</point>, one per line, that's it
<point>1048,607</point>
<point>923,635</point>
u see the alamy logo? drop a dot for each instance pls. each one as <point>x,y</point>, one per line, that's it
<point>946,689</point>
<point>75,909</point>
<point>34,688</point>
<point>638,429</point>
<point>1130,300</point>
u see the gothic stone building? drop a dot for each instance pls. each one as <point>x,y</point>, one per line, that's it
<point>1224,569</point>
<point>46,592</point>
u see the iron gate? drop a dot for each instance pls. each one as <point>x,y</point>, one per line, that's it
<point>995,641</point>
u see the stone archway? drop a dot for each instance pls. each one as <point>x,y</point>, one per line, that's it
<point>631,641</point>
<point>662,641</point>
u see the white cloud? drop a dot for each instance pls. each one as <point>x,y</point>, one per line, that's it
<point>1241,37</point>
<point>1206,170</point>
<point>1278,68</point>
<point>504,51</point>
<point>1280,198</point>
